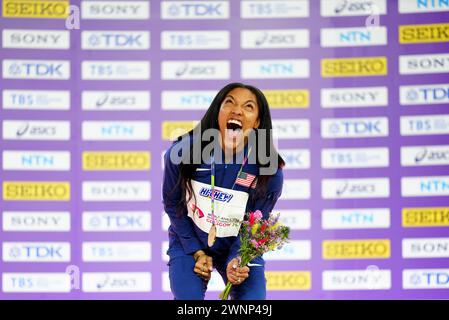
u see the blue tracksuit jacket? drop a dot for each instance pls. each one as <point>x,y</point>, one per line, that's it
<point>185,238</point>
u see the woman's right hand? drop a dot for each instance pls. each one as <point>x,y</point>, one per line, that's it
<point>203,265</point>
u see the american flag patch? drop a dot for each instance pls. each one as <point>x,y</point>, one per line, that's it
<point>245,179</point>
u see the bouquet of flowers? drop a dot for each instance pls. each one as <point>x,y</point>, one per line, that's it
<point>258,236</point>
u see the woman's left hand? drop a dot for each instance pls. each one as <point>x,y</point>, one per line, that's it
<point>235,274</point>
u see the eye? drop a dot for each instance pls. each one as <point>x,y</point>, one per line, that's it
<point>249,106</point>
<point>228,101</point>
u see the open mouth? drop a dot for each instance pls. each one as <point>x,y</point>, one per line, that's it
<point>234,124</point>
<point>233,128</point>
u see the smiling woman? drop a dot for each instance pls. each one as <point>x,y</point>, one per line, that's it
<point>206,200</point>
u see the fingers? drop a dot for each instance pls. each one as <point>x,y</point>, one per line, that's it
<point>236,275</point>
<point>203,267</point>
<point>209,263</point>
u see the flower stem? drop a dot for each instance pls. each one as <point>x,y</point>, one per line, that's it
<point>225,294</point>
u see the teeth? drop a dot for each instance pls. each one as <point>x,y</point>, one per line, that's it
<point>237,122</point>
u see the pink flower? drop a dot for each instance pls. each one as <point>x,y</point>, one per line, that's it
<point>254,243</point>
<point>258,214</point>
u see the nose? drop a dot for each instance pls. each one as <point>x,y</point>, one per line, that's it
<point>236,109</point>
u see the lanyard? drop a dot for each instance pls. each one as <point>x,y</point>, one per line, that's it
<point>213,229</point>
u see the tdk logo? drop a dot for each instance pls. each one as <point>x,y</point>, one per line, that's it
<point>436,278</point>
<point>195,9</point>
<point>355,127</point>
<point>425,94</point>
<point>118,221</point>
<point>35,69</point>
<point>119,40</point>
<point>36,252</point>
<point>115,40</point>
<point>425,278</point>
<point>218,195</point>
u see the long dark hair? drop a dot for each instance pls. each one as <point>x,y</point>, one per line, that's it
<point>188,167</point>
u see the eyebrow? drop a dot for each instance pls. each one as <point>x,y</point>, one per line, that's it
<point>229,95</point>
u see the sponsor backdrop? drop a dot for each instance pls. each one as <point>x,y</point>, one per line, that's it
<point>359,92</point>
